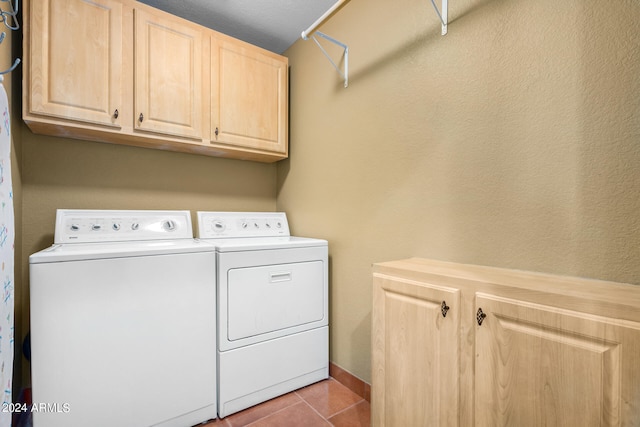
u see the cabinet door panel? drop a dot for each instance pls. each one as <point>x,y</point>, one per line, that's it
<point>538,365</point>
<point>76,59</point>
<point>249,97</point>
<point>415,354</point>
<point>168,76</point>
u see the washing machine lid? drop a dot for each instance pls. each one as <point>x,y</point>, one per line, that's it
<point>263,243</point>
<point>93,251</point>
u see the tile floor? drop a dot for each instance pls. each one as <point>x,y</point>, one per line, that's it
<point>326,403</point>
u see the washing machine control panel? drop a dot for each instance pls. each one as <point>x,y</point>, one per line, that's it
<point>212,225</point>
<point>84,226</point>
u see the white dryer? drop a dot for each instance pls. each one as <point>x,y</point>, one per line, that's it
<point>273,334</point>
<point>123,322</point>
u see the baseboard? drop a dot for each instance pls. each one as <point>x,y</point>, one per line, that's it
<point>350,381</point>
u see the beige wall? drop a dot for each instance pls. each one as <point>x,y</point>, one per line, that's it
<point>513,141</point>
<point>65,173</point>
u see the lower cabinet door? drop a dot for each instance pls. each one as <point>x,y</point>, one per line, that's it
<point>538,365</point>
<point>415,353</point>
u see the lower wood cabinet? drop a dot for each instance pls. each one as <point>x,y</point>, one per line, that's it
<point>461,345</point>
<point>415,337</point>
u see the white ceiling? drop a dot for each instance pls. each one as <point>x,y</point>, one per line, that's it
<point>271,24</point>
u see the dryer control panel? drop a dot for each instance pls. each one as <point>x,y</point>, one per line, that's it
<point>86,225</point>
<point>212,225</point>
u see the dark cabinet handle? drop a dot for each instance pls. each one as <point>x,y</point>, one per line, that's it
<point>216,132</point>
<point>116,114</point>
<point>141,118</point>
<point>480,316</point>
<point>444,308</point>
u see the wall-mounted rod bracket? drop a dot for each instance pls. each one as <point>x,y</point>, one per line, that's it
<point>311,31</point>
<point>344,73</point>
<point>443,15</point>
<point>328,14</point>
<point>10,20</point>
<point>13,67</point>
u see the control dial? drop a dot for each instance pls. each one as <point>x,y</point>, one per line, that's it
<point>169,225</point>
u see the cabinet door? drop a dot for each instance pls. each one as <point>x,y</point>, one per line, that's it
<point>415,354</point>
<point>76,60</point>
<point>168,75</point>
<point>543,366</point>
<point>249,97</point>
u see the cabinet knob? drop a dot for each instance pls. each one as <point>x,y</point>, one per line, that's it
<point>116,114</point>
<point>141,118</point>
<point>216,132</point>
<point>480,316</point>
<point>444,308</point>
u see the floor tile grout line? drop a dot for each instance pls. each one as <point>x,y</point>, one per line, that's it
<point>302,399</point>
<point>361,399</point>
<point>270,413</point>
<point>347,408</point>
<point>274,412</point>
<point>316,411</point>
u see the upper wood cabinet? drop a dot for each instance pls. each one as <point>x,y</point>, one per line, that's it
<point>522,348</point>
<point>122,72</point>
<point>168,82</point>
<point>249,97</point>
<point>76,60</point>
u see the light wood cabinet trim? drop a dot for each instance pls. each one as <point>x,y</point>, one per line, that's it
<point>610,299</point>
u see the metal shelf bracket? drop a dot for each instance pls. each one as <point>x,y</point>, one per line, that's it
<point>311,31</point>
<point>442,14</point>
<point>345,72</point>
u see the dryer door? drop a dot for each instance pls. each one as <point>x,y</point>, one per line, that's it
<point>272,298</point>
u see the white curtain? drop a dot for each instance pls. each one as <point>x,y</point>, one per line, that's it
<point>7,234</point>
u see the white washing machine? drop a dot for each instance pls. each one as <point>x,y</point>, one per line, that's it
<point>273,333</point>
<point>123,322</point>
